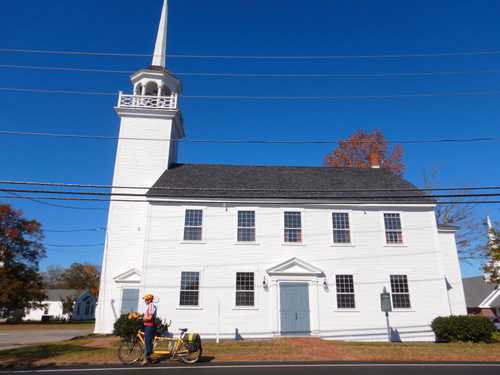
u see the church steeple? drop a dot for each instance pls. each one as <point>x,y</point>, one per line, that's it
<point>150,112</point>
<point>160,53</point>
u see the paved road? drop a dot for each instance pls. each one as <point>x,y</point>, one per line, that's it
<point>14,339</point>
<point>282,369</point>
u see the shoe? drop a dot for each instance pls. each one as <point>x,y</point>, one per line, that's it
<point>145,361</point>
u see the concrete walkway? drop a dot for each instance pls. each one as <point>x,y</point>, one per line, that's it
<point>13,339</point>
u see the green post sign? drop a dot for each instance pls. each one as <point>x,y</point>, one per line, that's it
<point>385,302</point>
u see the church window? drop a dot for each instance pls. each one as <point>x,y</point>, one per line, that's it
<point>245,295</point>
<point>393,231</point>
<point>400,292</point>
<point>293,227</point>
<point>246,226</point>
<point>190,287</point>
<point>193,225</point>
<point>129,303</point>
<point>341,230</point>
<point>345,291</point>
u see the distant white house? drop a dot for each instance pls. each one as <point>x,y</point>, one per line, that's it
<point>239,251</point>
<point>51,309</point>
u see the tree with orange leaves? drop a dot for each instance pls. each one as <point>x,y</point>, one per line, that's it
<point>82,276</point>
<point>355,152</point>
<point>21,250</point>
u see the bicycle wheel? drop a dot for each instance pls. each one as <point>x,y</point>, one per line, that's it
<point>130,352</point>
<point>190,352</point>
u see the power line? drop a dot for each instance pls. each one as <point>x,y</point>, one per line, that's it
<point>255,57</point>
<point>198,189</point>
<point>354,196</point>
<point>220,201</point>
<point>74,230</point>
<point>270,97</point>
<point>261,74</point>
<point>52,204</point>
<point>242,141</point>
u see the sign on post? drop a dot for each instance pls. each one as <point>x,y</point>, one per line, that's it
<point>385,302</point>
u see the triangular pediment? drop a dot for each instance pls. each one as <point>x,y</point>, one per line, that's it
<point>131,276</point>
<point>295,266</point>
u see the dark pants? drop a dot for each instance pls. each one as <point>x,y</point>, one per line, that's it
<point>149,334</point>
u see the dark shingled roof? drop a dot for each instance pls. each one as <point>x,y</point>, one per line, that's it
<point>278,182</point>
<point>476,289</point>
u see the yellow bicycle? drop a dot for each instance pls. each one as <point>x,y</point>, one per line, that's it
<point>187,347</point>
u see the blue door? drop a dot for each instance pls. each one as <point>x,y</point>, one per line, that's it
<point>294,309</point>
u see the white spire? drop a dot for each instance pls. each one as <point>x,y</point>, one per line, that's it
<point>160,53</point>
<point>491,236</point>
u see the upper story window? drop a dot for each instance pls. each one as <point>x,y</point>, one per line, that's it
<point>345,291</point>
<point>246,226</point>
<point>341,229</point>
<point>190,289</point>
<point>400,292</point>
<point>393,231</point>
<point>293,226</point>
<point>245,293</point>
<point>193,225</point>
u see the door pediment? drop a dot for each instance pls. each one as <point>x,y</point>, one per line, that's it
<point>295,267</point>
<point>130,276</point>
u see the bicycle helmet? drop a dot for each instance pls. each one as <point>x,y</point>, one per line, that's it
<point>148,297</point>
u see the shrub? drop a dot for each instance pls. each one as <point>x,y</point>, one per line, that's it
<point>127,328</point>
<point>463,328</point>
<point>15,317</point>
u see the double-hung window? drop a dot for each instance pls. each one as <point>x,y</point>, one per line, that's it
<point>293,226</point>
<point>245,289</point>
<point>341,229</point>
<point>190,289</point>
<point>345,292</point>
<point>393,231</point>
<point>246,226</point>
<point>400,292</point>
<point>193,225</point>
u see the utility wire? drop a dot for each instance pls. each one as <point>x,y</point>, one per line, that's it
<point>74,230</point>
<point>220,202</point>
<point>354,196</point>
<point>261,75</point>
<point>34,199</point>
<point>254,57</point>
<point>269,97</point>
<point>242,141</point>
<point>212,189</point>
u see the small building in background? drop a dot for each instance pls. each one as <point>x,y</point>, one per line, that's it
<point>482,298</point>
<point>52,308</point>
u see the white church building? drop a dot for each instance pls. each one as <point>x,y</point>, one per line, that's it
<point>251,252</point>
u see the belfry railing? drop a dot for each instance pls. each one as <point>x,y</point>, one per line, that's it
<point>147,101</point>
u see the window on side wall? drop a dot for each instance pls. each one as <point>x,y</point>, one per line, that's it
<point>293,227</point>
<point>400,292</point>
<point>190,289</point>
<point>393,231</point>
<point>245,289</point>
<point>345,291</point>
<point>193,225</point>
<point>246,226</point>
<point>130,300</point>
<point>341,228</point>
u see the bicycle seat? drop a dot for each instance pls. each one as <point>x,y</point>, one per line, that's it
<point>183,330</point>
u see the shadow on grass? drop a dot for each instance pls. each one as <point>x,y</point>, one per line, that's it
<point>34,353</point>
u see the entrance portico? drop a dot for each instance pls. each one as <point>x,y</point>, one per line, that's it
<point>294,286</point>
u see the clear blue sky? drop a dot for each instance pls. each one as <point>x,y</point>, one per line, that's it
<point>246,28</point>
